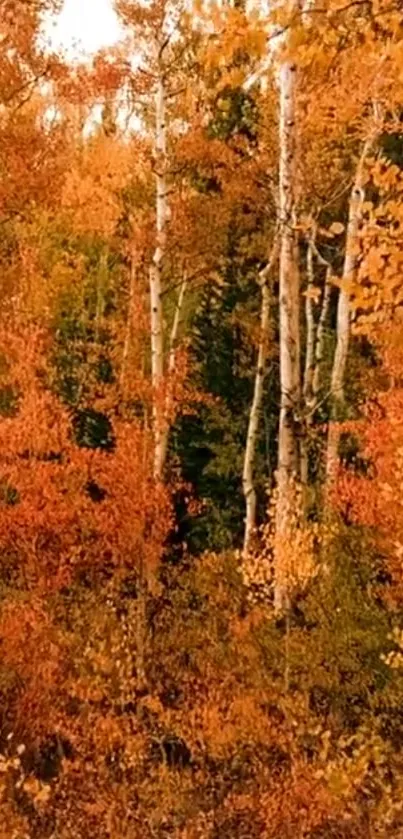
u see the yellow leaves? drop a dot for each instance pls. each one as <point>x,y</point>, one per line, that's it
<point>377,288</point>
<point>386,175</point>
<point>40,793</point>
<point>292,552</point>
<point>298,37</point>
<point>313,293</point>
<point>91,189</point>
<point>394,659</point>
<point>336,228</point>
<point>5,764</point>
<point>233,77</point>
<point>234,34</point>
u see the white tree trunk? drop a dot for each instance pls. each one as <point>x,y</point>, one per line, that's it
<point>310,328</point>
<point>255,411</point>
<point>343,317</point>
<point>176,324</point>
<point>321,335</point>
<point>157,325</point>
<point>168,401</point>
<point>315,346</point>
<point>309,360</point>
<point>290,380</point>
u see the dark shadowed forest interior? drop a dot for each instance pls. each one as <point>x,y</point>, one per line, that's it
<point>201,423</point>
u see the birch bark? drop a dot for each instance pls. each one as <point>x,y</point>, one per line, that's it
<point>290,380</point>
<point>310,327</point>
<point>248,483</point>
<point>315,347</point>
<point>309,359</point>
<point>357,197</point>
<point>168,398</point>
<point>156,268</point>
<point>321,331</point>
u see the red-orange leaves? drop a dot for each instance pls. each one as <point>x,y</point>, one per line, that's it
<point>371,490</point>
<point>67,513</point>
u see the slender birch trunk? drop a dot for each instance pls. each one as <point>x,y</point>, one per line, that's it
<point>157,346</point>
<point>343,318</point>
<point>249,489</point>
<point>310,327</point>
<point>176,324</point>
<point>157,330</point>
<point>321,332</point>
<point>315,346</point>
<point>290,384</point>
<point>168,400</point>
<point>309,360</point>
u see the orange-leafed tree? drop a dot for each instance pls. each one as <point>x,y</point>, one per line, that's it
<point>65,511</point>
<point>369,490</point>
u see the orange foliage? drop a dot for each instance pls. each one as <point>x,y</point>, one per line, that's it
<point>139,699</point>
<point>51,529</point>
<point>372,495</point>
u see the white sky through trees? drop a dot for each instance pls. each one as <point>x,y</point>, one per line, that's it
<point>84,26</point>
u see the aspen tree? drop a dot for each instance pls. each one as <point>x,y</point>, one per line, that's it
<point>156,268</point>
<point>288,472</point>
<point>343,328</point>
<point>289,308</point>
<point>158,28</point>
<point>256,407</point>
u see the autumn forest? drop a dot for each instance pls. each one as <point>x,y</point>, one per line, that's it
<point>201,423</point>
